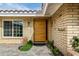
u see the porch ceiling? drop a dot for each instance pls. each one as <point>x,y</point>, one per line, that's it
<point>52,8</point>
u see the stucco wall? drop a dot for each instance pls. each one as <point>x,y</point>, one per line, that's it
<point>49,29</point>
<point>27,30</point>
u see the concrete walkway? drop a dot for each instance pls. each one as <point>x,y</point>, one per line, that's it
<point>12,50</point>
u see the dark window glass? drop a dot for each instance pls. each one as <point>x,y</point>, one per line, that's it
<point>7,28</point>
<point>18,28</point>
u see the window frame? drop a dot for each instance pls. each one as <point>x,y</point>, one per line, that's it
<point>12,27</point>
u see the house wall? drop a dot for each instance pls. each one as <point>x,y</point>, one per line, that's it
<point>59,33</point>
<point>49,29</point>
<point>65,25</point>
<point>27,30</point>
<point>73,28</point>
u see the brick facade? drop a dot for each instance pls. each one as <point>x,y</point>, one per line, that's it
<point>65,25</point>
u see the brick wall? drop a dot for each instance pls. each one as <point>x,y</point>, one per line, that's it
<point>73,23</point>
<point>64,19</point>
<point>58,29</point>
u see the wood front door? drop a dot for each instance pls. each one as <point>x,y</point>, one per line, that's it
<point>39,30</point>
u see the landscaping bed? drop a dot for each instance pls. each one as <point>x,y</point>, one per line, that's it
<point>55,51</point>
<point>26,46</point>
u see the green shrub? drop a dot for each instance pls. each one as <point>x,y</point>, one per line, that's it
<point>75,42</point>
<point>27,46</point>
<point>29,42</point>
<point>56,51</point>
<point>50,44</point>
<point>77,49</point>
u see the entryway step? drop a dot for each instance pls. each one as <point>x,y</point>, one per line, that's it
<point>39,43</point>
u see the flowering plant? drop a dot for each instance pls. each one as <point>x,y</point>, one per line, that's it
<point>24,40</point>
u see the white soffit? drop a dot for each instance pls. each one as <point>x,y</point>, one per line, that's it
<point>52,8</point>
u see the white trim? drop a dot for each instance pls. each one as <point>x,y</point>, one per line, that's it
<point>21,15</point>
<point>45,8</point>
<point>12,30</point>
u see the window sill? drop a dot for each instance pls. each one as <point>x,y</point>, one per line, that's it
<point>13,37</point>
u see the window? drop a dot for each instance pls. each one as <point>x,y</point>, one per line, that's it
<point>13,28</point>
<point>17,28</point>
<point>7,28</point>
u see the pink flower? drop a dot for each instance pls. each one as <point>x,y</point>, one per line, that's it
<point>24,40</point>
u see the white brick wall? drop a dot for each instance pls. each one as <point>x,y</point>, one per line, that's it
<point>67,16</point>
<point>71,31</point>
